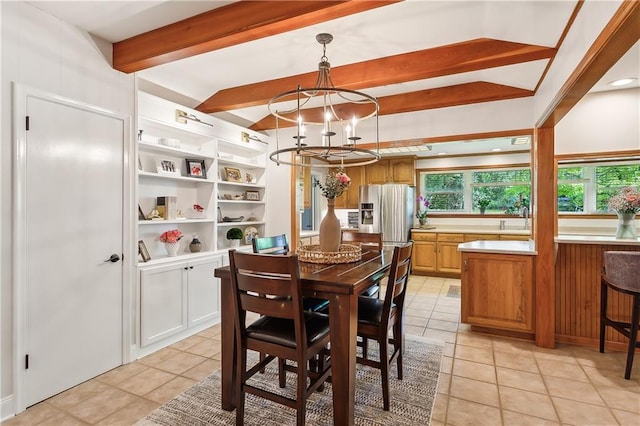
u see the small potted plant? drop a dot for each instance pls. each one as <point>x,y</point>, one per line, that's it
<point>482,202</point>
<point>234,235</point>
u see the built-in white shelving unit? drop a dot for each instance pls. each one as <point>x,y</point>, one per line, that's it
<point>179,295</point>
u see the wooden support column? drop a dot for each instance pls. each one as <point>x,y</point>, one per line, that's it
<point>544,230</point>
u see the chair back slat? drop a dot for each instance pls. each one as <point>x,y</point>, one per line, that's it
<point>279,308</point>
<point>267,285</point>
<point>276,244</point>
<point>368,240</point>
<point>398,276</point>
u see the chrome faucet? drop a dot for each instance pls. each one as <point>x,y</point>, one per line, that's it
<point>525,213</point>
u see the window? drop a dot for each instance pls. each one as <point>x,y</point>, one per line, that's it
<point>445,191</point>
<point>505,190</point>
<point>493,191</point>
<point>588,187</point>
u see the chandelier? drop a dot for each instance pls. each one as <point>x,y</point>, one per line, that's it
<point>326,120</point>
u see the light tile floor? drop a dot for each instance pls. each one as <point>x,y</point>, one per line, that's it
<point>484,380</point>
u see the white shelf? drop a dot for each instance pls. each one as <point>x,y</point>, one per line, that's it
<point>240,202</point>
<point>231,162</point>
<point>240,184</point>
<point>171,177</point>
<point>231,224</point>
<point>161,260</point>
<point>161,149</point>
<point>174,221</point>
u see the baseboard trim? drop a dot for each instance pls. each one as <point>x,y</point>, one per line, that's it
<point>7,408</point>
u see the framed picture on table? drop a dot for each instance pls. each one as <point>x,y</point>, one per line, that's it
<point>196,168</point>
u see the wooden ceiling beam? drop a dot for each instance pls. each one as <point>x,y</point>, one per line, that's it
<point>456,58</point>
<point>460,94</point>
<point>226,26</point>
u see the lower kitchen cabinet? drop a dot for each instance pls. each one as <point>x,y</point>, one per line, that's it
<point>176,296</point>
<point>497,291</point>
<point>424,252</point>
<point>448,254</point>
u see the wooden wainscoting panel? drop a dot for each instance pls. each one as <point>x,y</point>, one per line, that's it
<point>578,269</point>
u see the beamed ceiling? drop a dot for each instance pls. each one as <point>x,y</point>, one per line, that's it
<point>232,57</point>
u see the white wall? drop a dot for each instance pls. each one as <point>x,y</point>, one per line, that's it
<point>43,52</point>
<point>592,18</point>
<point>601,122</point>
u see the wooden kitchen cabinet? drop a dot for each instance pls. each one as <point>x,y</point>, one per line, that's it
<point>481,237</point>
<point>424,252</point>
<point>306,173</point>
<point>349,200</point>
<point>448,255</point>
<point>513,237</point>
<point>497,291</point>
<point>394,170</point>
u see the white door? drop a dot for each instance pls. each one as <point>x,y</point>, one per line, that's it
<point>71,160</point>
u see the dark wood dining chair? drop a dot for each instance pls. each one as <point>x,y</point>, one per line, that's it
<point>278,244</point>
<point>284,329</point>
<point>620,273</point>
<point>376,317</point>
<point>367,241</point>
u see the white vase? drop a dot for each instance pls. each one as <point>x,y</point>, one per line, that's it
<point>626,226</point>
<point>234,243</point>
<point>172,248</point>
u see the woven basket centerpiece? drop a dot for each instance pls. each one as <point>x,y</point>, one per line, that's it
<point>347,253</point>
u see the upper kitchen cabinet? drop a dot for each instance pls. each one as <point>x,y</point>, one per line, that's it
<point>349,200</point>
<point>393,170</point>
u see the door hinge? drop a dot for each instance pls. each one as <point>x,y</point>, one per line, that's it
<point>26,122</point>
<point>26,362</point>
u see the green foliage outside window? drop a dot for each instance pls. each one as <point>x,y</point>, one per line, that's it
<point>611,179</point>
<point>445,191</point>
<point>507,190</point>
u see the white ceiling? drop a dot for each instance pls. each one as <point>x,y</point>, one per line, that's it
<point>398,28</point>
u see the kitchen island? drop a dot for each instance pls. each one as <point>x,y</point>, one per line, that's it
<point>498,288</point>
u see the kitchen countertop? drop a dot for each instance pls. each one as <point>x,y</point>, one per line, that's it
<point>595,239</point>
<point>473,230</point>
<point>500,247</point>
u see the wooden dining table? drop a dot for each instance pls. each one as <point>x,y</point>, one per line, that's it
<point>341,284</point>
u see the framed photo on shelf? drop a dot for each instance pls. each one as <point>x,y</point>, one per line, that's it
<point>142,250</point>
<point>233,174</point>
<point>196,168</point>
<point>141,215</point>
<point>167,167</point>
<point>252,195</point>
<point>249,177</point>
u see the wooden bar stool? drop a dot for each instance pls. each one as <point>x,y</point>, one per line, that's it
<point>621,274</point>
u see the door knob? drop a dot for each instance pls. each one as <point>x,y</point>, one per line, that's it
<point>113,258</point>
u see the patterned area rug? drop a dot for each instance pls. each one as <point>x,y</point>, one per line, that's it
<point>411,398</point>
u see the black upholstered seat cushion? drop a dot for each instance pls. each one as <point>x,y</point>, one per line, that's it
<point>281,331</point>
<point>370,310</point>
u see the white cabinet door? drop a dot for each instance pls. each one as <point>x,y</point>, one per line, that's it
<point>204,290</point>
<point>163,302</point>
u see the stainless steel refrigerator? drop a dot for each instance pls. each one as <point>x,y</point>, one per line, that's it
<point>388,209</point>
